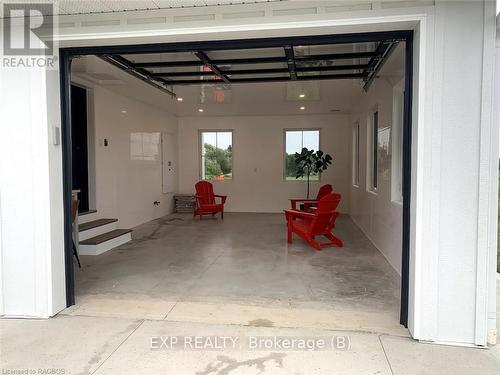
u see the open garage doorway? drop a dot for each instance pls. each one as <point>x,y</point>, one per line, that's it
<point>158,112</point>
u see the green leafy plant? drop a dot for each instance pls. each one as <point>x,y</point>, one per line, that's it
<point>310,162</point>
<point>218,161</point>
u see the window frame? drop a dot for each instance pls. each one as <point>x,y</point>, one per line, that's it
<point>356,154</point>
<point>200,153</point>
<point>397,143</point>
<point>285,130</point>
<point>372,151</point>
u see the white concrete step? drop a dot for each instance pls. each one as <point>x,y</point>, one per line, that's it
<point>96,227</point>
<point>87,216</point>
<point>105,242</point>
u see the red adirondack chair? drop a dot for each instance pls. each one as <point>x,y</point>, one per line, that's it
<point>205,200</point>
<point>317,223</point>
<point>308,203</point>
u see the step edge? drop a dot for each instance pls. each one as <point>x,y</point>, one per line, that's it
<point>93,250</point>
<point>122,232</point>
<point>113,220</point>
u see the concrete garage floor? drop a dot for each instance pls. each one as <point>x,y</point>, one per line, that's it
<point>126,303</point>
<point>242,271</point>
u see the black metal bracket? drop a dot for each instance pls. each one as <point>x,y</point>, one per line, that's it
<point>383,51</point>
<point>214,68</point>
<point>290,60</point>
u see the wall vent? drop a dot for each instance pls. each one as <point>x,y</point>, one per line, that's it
<point>348,7</point>
<point>294,12</point>
<point>146,21</point>
<point>405,4</point>
<point>239,15</point>
<point>101,23</point>
<point>193,18</point>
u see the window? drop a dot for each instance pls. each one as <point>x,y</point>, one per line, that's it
<point>373,152</point>
<point>355,154</point>
<point>397,143</point>
<point>216,155</point>
<point>295,140</point>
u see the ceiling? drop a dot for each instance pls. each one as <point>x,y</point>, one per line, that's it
<point>257,61</point>
<point>282,76</point>
<point>265,98</point>
<point>277,98</point>
<point>66,7</point>
<point>287,62</point>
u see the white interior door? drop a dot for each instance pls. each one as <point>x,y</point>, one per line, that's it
<point>168,162</point>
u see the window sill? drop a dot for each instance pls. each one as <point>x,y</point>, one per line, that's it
<point>217,181</point>
<point>302,181</point>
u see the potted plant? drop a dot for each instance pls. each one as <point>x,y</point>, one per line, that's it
<point>311,162</point>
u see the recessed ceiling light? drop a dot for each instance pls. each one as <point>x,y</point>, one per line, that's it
<point>200,110</point>
<point>124,111</point>
<point>302,108</point>
<point>302,95</point>
<point>180,99</point>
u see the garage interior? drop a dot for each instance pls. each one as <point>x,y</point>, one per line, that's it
<point>147,117</point>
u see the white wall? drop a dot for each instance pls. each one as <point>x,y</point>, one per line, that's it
<point>258,184</point>
<point>126,188</point>
<point>374,212</point>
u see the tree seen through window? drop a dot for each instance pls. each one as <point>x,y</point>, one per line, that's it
<point>217,155</point>
<point>295,140</point>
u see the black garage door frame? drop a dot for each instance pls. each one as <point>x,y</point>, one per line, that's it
<point>67,54</point>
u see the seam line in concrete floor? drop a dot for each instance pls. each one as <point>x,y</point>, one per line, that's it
<point>118,346</point>
<point>193,284</point>
<point>169,311</point>
<point>245,325</point>
<point>294,327</point>
<point>385,354</point>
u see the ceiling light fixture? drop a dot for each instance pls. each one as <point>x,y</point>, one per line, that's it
<point>200,110</point>
<point>302,95</point>
<point>302,108</point>
<point>180,99</point>
<point>124,111</point>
